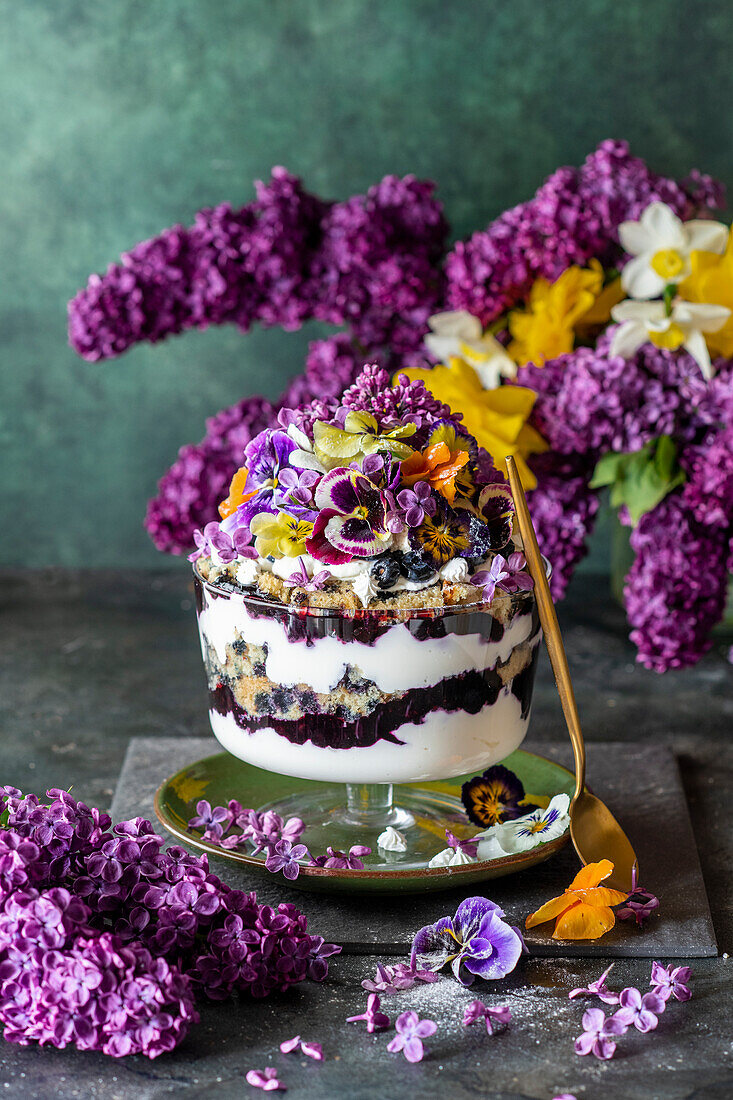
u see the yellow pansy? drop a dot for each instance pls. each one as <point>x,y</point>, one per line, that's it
<point>282,536</point>
<point>497,419</point>
<point>546,327</point>
<point>711,281</point>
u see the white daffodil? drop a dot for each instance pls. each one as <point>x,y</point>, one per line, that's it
<point>660,244</point>
<point>527,832</point>
<point>458,333</point>
<point>642,322</point>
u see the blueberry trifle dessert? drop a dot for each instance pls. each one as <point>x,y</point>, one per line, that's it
<point>365,612</point>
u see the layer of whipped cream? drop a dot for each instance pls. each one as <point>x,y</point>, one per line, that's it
<point>395,662</point>
<point>442,746</point>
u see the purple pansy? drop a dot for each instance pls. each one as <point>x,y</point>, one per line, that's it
<point>476,942</point>
<point>397,978</point>
<point>265,1079</point>
<point>374,1019</point>
<point>508,574</point>
<point>470,847</point>
<point>641,1012</point>
<point>477,1010</point>
<point>264,457</point>
<point>353,516</point>
<point>496,506</point>
<point>311,1050</point>
<point>598,988</point>
<point>411,1031</point>
<point>285,857</point>
<point>599,1034</point>
<point>671,982</point>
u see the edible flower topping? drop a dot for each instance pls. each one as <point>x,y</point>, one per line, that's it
<point>237,494</point>
<point>476,942</point>
<point>281,536</point>
<point>353,517</point>
<point>438,466</point>
<point>584,911</point>
<point>508,574</point>
<point>444,535</point>
<point>265,456</point>
<point>300,578</point>
<point>360,436</point>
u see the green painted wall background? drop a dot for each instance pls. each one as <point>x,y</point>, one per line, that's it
<point>119,117</point>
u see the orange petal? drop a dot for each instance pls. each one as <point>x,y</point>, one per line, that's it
<point>236,493</point>
<point>549,910</point>
<point>591,875</point>
<point>584,922</point>
<point>437,454</point>
<point>600,895</point>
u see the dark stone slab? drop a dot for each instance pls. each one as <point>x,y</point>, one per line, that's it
<point>641,785</point>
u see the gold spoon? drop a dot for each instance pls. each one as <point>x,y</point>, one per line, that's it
<point>594,830</point>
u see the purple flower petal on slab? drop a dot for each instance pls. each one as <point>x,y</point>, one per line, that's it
<point>265,1079</point>
<point>671,982</point>
<point>411,1030</point>
<point>598,989</point>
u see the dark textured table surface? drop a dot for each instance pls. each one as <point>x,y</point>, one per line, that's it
<point>89,661</point>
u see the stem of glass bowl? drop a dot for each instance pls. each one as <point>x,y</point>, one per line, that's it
<point>371,806</point>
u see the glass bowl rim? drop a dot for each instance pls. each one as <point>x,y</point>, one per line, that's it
<point>398,614</point>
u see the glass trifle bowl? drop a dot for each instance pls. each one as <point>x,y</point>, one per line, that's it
<point>367,698</point>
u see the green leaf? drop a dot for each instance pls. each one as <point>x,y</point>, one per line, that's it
<point>642,479</point>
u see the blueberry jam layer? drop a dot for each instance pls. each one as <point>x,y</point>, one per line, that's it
<point>469,692</point>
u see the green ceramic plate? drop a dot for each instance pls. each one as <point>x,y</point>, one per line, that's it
<point>221,777</point>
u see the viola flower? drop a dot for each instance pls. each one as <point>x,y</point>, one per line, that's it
<point>411,1031</point>
<point>353,517</point>
<point>684,326</point>
<point>280,536</point>
<point>265,456</point>
<point>285,857</point>
<point>668,982</point>
<point>456,333</point>
<point>639,905</point>
<point>496,505</point>
<point>300,578</point>
<point>660,244</point>
<point>508,574</point>
<point>539,827</point>
<point>311,1050</point>
<point>442,536</point>
<point>373,1018</point>
<point>397,978</point>
<point>265,1079</point>
<point>236,494</point>
<point>493,797</point>
<point>476,942</point>
<point>438,465</point>
<point>641,1012</point>
<point>598,988</point>
<point>599,1034</point>
<point>584,911</point>
<point>360,436</point>
<point>477,1010</point>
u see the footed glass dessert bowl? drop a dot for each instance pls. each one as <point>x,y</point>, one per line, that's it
<point>368,698</point>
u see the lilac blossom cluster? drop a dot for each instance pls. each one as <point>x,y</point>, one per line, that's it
<point>589,403</point>
<point>573,216</point>
<point>632,1008</point>
<point>106,937</point>
<point>370,263</point>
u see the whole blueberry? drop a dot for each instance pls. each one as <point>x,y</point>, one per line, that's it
<point>416,567</point>
<point>386,570</point>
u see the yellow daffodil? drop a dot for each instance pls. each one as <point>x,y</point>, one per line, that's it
<point>496,418</point>
<point>546,327</point>
<point>282,536</point>
<point>711,280</point>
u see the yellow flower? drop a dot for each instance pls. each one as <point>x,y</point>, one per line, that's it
<point>584,911</point>
<point>711,281</point>
<point>546,327</point>
<point>497,419</point>
<point>282,535</point>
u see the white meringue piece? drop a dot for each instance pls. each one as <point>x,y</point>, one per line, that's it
<point>391,840</point>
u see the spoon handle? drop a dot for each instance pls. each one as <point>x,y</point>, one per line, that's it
<point>550,625</point>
